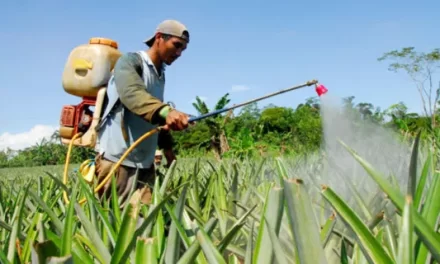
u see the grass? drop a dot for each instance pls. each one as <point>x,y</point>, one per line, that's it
<point>32,172</point>
<point>252,211</point>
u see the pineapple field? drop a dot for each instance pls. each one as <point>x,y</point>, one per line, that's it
<point>249,211</point>
<point>308,185</point>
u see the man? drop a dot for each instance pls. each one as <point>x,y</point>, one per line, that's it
<point>158,164</point>
<point>158,158</point>
<point>134,107</point>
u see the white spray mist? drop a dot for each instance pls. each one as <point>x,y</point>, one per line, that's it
<point>374,143</point>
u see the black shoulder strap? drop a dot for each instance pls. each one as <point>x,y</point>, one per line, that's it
<point>140,71</point>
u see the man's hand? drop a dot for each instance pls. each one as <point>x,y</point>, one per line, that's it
<point>176,120</point>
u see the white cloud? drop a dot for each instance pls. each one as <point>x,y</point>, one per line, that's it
<point>26,139</point>
<point>239,88</point>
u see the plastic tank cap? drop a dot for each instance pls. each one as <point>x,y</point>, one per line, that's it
<point>104,41</point>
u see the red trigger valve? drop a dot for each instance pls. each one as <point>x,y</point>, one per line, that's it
<point>320,89</point>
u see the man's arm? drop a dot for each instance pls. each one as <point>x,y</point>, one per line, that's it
<point>132,90</point>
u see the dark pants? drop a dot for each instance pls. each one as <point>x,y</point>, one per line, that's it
<point>125,177</point>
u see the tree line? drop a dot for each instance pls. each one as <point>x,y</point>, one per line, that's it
<point>273,130</point>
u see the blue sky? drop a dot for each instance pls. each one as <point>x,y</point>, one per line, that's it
<point>264,47</point>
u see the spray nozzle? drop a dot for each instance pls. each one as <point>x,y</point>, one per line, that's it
<point>320,89</point>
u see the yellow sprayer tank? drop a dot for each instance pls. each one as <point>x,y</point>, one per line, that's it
<point>89,67</point>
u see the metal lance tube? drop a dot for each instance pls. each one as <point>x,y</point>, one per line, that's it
<point>309,83</point>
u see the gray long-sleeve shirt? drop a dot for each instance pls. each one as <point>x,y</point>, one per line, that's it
<point>142,98</point>
<point>134,96</point>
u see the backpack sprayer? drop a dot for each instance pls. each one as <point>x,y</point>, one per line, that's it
<point>86,74</point>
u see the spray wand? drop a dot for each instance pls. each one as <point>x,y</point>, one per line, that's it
<point>89,175</point>
<point>320,89</point>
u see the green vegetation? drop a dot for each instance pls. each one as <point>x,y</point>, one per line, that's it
<point>241,205</point>
<point>224,212</point>
<point>254,132</point>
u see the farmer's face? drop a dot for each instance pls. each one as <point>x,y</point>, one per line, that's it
<point>171,49</point>
<point>158,159</point>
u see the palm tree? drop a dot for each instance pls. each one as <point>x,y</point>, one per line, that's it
<point>219,143</point>
<point>200,106</point>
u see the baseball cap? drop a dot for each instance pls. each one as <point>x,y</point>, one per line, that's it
<point>169,27</point>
